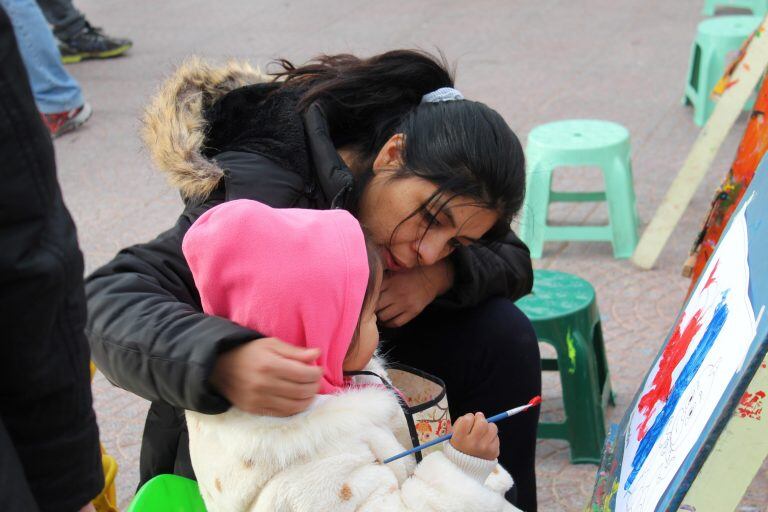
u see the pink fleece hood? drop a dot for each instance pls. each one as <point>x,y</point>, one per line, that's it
<point>297,275</point>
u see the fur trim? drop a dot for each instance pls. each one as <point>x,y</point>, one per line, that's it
<point>174,126</point>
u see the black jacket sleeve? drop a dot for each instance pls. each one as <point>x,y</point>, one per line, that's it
<point>495,269</point>
<point>146,327</point>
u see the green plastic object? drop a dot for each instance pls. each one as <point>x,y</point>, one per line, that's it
<point>168,493</point>
<point>717,41</point>
<point>563,310</point>
<point>757,7</point>
<point>572,143</point>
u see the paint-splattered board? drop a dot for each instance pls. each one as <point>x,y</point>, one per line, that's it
<point>738,454</point>
<point>700,378</point>
<point>704,150</point>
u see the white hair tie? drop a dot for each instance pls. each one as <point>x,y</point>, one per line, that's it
<point>442,94</point>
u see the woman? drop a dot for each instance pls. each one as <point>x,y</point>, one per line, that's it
<point>434,178</point>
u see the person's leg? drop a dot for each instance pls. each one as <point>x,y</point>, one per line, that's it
<point>63,16</point>
<point>54,89</point>
<point>489,358</point>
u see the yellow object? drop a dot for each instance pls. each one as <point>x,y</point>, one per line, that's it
<point>106,501</point>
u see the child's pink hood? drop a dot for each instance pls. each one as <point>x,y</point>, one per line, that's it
<point>297,275</point>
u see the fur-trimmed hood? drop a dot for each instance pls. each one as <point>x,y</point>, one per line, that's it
<point>202,111</point>
<point>175,127</point>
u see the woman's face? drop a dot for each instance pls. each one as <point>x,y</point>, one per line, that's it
<point>406,244</point>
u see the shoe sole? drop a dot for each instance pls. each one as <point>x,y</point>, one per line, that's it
<point>76,122</point>
<point>108,54</point>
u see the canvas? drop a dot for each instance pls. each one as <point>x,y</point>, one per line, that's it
<point>696,382</point>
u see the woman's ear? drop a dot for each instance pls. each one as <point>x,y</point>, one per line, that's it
<point>390,155</point>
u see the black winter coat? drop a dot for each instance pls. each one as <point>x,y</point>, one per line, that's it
<point>49,441</point>
<point>146,327</point>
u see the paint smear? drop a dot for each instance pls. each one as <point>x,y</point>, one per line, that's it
<point>571,352</point>
<point>711,279</point>
<point>673,354</point>
<point>686,375</point>
<point>731,84</point>
<point>751,405</point>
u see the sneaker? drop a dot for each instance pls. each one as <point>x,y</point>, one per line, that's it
<point>92,43</point>
<point>62,122</point>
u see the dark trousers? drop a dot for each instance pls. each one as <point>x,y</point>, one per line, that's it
<point>63,16</point>
<point>489,358</point>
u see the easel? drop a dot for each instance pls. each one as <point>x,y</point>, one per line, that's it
<point>704,150</point>
<point>737,456</point>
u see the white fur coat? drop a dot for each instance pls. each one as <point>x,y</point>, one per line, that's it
<point>328,458</point>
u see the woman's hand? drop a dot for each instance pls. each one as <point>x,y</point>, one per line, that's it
<point>268,376</point>
<point>473,435</point>
<point>405,294</point>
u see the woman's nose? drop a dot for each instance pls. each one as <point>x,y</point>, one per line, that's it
<point>431,250</point>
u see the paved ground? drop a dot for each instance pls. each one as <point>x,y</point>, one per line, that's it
<point>535,61</point>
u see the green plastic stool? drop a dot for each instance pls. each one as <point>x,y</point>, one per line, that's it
<point>758,7</point>
<point>580,143</point>
<point>716,38</point>
<point>564,314</point>
<point>168,493</point>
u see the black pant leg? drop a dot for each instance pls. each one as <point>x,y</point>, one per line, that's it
<point>489,358</point>
<point>45,391</point>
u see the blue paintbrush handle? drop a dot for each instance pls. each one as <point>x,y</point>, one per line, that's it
<point>492,419</point>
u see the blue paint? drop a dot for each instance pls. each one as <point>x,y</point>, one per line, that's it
<point>685,378</point>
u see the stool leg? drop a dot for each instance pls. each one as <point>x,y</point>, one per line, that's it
<point>692,83</point>
<point>603,373</point>
<point>622,209</point>
<point>709,8</point>
<point>703,105</point>
<point>583,409</point>
<point>534,216</point>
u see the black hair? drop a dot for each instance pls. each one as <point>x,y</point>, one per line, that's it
<point>375,270</point>
<point>464,147</point>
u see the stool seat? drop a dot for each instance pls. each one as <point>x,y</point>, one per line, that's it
<point>563,310</point>
<point>716,40</point>
<point>576,135</point>
<point>555,295</point>
<point>579,142</point>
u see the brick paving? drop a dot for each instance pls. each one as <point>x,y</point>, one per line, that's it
<point>535,61</point>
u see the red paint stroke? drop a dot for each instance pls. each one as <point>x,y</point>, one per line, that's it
<point>751,405</point>
<point>763,365</point>
<point>731,84</point>
<point>670,358</point>
<point>535,400</point>
<point>711,278</point>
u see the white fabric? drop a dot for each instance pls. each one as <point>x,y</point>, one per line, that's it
<point>442,94</point>
<point>328,458</point>
<point>477,468</point>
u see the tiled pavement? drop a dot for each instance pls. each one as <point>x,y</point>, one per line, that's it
<point>533,60</point>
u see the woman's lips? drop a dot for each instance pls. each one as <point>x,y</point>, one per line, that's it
<point>391,262</point>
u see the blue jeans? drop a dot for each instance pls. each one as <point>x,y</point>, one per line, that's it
<point>53,88</point>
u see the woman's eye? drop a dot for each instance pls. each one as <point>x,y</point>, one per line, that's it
<point>431,219</point>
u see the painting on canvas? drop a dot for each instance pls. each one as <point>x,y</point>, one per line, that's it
<point>694,383</point>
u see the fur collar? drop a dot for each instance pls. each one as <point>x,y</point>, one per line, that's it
<point>174,125</point>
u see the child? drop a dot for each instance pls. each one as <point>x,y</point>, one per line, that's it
<point>308,278</point>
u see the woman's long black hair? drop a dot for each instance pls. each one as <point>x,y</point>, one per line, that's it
<point>464,147</point>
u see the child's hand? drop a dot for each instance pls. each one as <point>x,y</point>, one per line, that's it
<point>473,435</point>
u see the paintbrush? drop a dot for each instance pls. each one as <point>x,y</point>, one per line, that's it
<point>493,419</point>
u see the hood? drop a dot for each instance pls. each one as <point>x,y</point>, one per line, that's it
<point>174,124</point>
<point>297,275</point>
